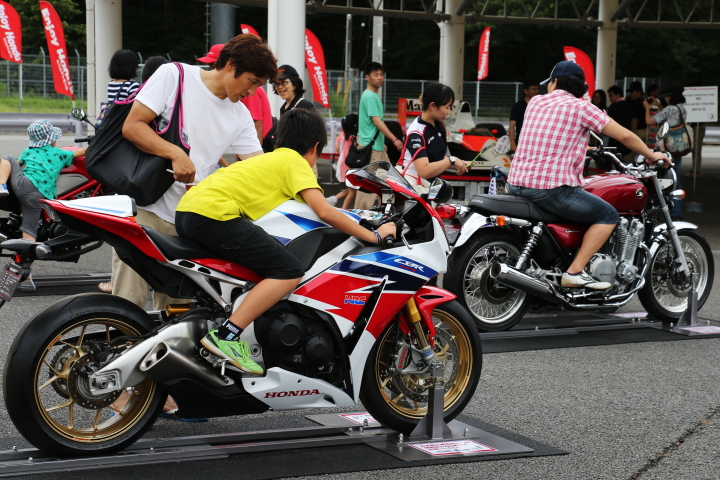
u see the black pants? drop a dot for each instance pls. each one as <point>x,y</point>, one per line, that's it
<point>241,242</point>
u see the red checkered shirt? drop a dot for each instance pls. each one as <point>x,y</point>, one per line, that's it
<point>553,141</point>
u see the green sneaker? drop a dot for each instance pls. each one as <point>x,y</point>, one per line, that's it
<point>237,352</point>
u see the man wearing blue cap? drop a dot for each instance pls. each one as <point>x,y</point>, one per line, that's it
<point>548,164</point>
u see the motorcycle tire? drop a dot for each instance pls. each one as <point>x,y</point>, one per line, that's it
<point>463,354</point>
<point>76,422</point>
<point>662,296</point>
<point>493,306</point>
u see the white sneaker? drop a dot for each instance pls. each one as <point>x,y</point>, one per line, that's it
<point>4,192</point>
<point>584,280</point>
<point>332,200</point>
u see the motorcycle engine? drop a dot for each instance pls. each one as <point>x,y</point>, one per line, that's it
<point>298,343</point>
<point>603,267</point>
<point>616,265</point>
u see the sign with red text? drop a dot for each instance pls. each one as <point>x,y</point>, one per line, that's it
<point>10,33</point>
<point>58,52</point>
<point>315,63</point>
<point>248,29</point>
<point>484,54</point>
<point>576,55</point>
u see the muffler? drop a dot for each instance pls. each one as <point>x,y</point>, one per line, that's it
<point>164,362</point>
<point>514,278</point>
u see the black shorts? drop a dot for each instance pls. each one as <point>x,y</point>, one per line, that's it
<point>241,242</point>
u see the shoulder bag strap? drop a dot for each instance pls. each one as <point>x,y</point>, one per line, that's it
<point>414,156</point>
<point>687,132</point>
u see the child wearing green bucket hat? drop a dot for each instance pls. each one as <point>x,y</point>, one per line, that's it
<point>34,175</point>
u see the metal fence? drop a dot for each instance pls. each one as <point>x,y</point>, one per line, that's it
<point>34,77</point>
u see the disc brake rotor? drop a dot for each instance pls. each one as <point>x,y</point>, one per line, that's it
<point>78,386</point>
<point>60,363</point>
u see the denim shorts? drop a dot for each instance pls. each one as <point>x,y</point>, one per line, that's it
<point>241,242</point>
<point>572,203</point>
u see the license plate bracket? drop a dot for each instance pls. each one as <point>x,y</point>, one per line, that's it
<point>9,280</point>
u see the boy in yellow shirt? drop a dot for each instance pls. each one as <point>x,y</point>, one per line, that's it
<point>217,214</point>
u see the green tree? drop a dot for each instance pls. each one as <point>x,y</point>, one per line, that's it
<point>71,13</point>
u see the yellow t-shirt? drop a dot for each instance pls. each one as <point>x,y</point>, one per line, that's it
<point>251,188</point>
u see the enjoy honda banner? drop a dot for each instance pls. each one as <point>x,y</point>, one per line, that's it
<point>11,42</point>
<point>576,55</point>
<point>58,53</point>
<point>484,54</point>
<point>248,29</point>
<point>315,63</point>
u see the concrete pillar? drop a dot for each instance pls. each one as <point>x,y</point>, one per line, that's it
<point>452,49</point>
<point>90,55</point>
<point>377,36</point>
<point>286,38</point>
<point>107,41</point>
<point>222,22</point>
<point>605,64</point>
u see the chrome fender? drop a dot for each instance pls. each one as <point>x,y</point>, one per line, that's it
<point>474,223</point>
<point>662,228</point>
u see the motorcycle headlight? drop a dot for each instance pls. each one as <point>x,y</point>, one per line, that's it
<point>667,179</point>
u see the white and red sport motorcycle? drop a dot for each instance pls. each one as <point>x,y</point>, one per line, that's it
<point>360,325</point>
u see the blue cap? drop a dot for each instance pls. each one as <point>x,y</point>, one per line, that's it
<point>43,133</point>
<point>567,69</point>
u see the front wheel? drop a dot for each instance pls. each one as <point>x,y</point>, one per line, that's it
<point>400,401</point>
<point>494,306</point>
<point>665,294</point>
<point>46,385</point>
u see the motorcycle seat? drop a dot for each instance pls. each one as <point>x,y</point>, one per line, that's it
<point>178,248</point>
<point>512,206</point>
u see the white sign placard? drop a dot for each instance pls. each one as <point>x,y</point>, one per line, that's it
<point>359,418</point>
<point>701,104</point>
<point>457,447</point>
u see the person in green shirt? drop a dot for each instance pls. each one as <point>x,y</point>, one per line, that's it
<point>33,176</point>
<point>371,126</point>
<point>217,214</point>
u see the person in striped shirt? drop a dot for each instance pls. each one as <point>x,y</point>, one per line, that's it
<point>123,69</point>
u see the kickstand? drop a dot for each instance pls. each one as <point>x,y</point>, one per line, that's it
<point>690,316</point>
<point>433,426</point>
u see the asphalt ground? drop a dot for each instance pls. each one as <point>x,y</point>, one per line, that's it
<point>622,411</point>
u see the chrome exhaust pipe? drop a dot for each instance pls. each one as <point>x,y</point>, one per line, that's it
<point>514,278</point>
<point>164,362</point>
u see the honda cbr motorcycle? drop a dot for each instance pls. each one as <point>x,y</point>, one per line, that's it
<point>363,324</point>
<point>509,254</point>
<point>74,182</point>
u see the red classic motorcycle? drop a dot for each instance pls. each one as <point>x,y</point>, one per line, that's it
<point>509,253</point>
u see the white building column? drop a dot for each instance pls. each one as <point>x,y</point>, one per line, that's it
<point>605,63</point>
<point>377,35</point>
<point>106,37</point>
<point>286,38</point>
<point>452,49</point>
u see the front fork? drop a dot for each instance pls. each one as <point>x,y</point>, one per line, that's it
<point>413,317</point>
<point>679,254</point>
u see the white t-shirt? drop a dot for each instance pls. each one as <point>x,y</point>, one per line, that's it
<point>210,126</point>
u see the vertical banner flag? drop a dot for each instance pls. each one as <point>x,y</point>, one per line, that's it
<point>11,33</point>
<point>576,55</point>
<point>58,52</point>
<point>248,29</point>
<point>484,54</point>
<point>315,63</point>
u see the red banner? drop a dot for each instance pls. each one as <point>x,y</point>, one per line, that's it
<point>315,63</point>
<point>11,42</point>
<point>58,52</point>
<point>484,54</point>
<point>576,55</point>
<point>248,29</point>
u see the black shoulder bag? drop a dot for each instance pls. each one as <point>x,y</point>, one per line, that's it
<point>359,157</point>
<point>121,166</point>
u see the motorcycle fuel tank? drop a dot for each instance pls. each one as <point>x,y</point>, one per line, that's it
<point>623,192</point>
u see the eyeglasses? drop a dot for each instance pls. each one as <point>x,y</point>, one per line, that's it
<point>283,83</point>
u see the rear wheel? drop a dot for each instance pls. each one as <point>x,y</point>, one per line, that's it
<point>400,401</point>
<point>494,306</point>
<point>666,291</point>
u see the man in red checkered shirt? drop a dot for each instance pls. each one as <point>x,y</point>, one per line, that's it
<point>548,164</point>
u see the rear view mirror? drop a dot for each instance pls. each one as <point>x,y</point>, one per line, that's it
<point>662,130</point>
<point>78,113</point>
<point>440,191</point>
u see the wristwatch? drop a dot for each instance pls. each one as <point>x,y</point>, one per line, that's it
<point>452,161</point>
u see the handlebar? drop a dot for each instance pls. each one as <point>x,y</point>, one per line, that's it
<point>84,139</point>
<point>388,242</point>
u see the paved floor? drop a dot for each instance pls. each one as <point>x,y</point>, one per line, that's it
<point>644,410</point>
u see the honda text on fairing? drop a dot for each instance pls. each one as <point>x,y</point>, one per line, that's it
<point>362,325</point>
<point>507,253</point>
<point>74,182</point>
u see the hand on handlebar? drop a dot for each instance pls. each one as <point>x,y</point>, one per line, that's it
<point>660,156</point>
<point>387,230</point>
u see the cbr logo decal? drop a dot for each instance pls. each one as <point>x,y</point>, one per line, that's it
<point>295,393</point>
<point>410,265</point>
<point>355,300</point>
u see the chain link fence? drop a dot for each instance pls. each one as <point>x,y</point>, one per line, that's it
<point>34,77</point>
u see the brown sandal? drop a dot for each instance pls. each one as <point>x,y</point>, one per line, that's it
<point>105,287</point>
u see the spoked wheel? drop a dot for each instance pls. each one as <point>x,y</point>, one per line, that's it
<point>493,306</point>
<point>400,400</point>
<point>48,394</point>
<point>666,291</point>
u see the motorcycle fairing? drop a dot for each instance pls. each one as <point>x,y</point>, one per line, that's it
<point>291,220</point>
<point>120,206</point>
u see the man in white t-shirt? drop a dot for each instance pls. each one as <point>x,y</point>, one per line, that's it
<point>214,120</point>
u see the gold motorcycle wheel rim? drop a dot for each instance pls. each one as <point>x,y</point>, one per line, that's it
<point>54,373</point>
<point>451,337</point>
